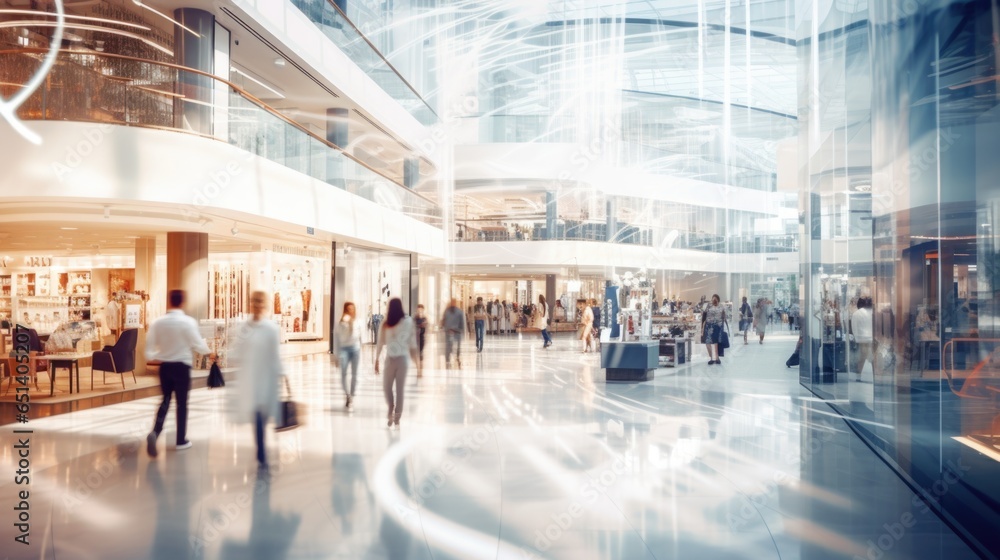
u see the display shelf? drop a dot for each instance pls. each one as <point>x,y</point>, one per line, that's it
<point>76,287</point>
<point>42,313</point>
<point>6,305</point>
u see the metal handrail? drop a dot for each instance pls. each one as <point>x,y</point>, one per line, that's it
<point>235,88</point>
<point>950,345</point>
<point>380,55</point>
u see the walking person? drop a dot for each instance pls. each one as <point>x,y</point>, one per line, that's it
<point>480,316</point>
<point>347,350</point>
<point>587,328</point>
<point>760,318</point>
<point>399,337</point>
<point>862,334</point>
<point>171,340</point>
<point>258,360</point>
<point>497,316</point>
<point>453,322</point>
<point>712,321</point>
<point>746,318</point>
<point>420,320</point>
<point>542,321</point>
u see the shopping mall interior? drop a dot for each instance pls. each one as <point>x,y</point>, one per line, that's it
<point>728,253</point>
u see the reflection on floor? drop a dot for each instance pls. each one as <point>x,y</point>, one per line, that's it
<point>522,453</point>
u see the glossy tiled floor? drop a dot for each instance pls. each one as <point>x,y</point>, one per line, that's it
<point>521,453</point>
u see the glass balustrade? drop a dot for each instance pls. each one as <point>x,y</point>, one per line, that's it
<point>342,32</point>
<point>95,87</point>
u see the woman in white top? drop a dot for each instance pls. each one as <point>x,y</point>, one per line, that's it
<point>347,349</point>
<point>542,321</point>
<point>255,351</point>
<point>399,336</point>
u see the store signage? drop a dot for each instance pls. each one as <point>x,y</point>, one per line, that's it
<point>37,262</point>
<point>132,316</point>
<point>9,107</point>
<point>300,251</point>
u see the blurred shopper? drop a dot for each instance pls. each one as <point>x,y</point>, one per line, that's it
<point>171,340</point>
<point>399,337</point>
<point>453,322</point>
<point>347,349</point>
<point>712,321</point>
<point>746,319</point>
<point>587,328</point>
<point>256,355</point>
<point>480,317</point>
<point>861,333</point>
<point>542,321</point>
<point>760,318</point>
<point>420,320</point>
<point>497,316</point>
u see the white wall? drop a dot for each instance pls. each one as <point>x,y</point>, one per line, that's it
<point>104,163</point>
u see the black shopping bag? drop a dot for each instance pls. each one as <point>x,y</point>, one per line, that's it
<point>290,411</point>
<point>215,379</point>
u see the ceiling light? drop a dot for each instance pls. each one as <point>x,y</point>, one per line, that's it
<point>279,62</point>
<point>68,228</point>
<point>234,230</point>
<point>259,82</point>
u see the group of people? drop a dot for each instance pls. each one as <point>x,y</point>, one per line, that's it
<point>403,339</point>
<point>754,318</point>
<point>499,317</point>
<point>173,338</point>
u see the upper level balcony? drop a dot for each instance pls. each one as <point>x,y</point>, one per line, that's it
<point>121,90</point>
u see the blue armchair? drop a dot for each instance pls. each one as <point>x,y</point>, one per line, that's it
<point>119,358</point>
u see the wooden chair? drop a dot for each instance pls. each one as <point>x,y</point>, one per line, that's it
<point>119,358</point>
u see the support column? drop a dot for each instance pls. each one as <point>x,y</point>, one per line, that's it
<point>145,270</point>
<point>411,172</point>
<point>193,111</point>
<point>550,215</point>
<point>338,287</point>
<point>414,283</point>
<point>337,133</point>
<point>550,295</point>
<point>337,126</point>
<point>187,269</point>
<point>612,220</point>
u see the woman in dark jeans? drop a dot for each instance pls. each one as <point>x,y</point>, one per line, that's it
<point>712,321</point>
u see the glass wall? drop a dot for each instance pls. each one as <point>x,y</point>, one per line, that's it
<point>900,252</point>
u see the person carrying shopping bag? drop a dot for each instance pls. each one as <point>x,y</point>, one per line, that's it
<point>257,359</point>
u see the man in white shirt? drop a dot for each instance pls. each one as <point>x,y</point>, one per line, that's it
<point>170,340</point>
<point>861,331</point>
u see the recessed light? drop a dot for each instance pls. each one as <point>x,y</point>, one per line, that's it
<point>68,228</point>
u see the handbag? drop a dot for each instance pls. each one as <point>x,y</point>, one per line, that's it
<point>724,337</point>
<point>215,379</point>
<point>289,411</point>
